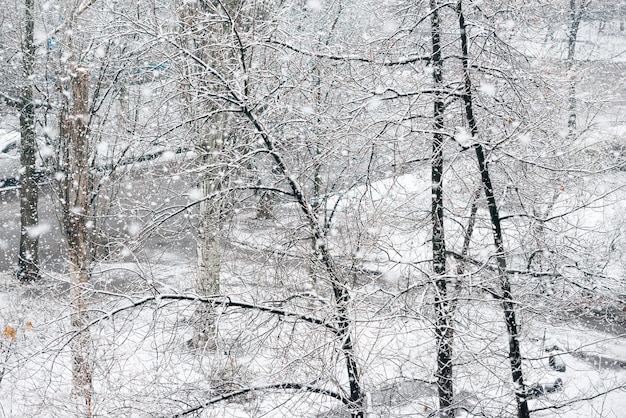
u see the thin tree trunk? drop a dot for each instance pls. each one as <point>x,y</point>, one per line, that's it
<point>28,257</point>
<point>443,326</point>
<point>314,155</point>
<point>209,136</point>
<point>576,13</point>
<point>75,203</point>
<point>469,230</point>
<point>506,297</point>
<point>339,288</point>
<point>571,51</point>
<point>208,251</point>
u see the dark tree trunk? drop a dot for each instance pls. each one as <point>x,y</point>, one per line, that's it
<point>443,327</point>
<point>28,257</point>
<point>356,400</point>
<point>506,297</point>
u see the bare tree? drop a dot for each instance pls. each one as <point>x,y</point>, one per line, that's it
<point>28,254</point>
<point>375,133</point>
<point>203,25</point>
<point>506,297</point>
<point>28,258</point>
<point>443,308</point>
<point>577,11</point>
<point>74,191</point>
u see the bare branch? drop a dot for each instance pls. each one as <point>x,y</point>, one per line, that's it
<point>277,386</point>
<point>353,58</point>
<point>584,399</point>
<point>221,301</point>
<point>11,101</point>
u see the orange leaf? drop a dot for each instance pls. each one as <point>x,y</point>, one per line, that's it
<point>9,332</point>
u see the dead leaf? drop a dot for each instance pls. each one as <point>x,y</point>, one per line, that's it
<point>9,332</point>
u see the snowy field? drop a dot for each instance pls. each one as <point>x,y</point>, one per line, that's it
<point>142,312</point>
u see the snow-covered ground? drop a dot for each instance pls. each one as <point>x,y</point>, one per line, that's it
<point>142,300</point>
<point>143,367</point>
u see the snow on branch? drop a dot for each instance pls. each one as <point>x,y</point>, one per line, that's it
<point>11,101</point>
<point>277,386</point>
<point>353,58</point>
<point>571,402</point>
<point>221,301</point>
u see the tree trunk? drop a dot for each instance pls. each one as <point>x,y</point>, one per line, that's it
<point>28,257</point>
<point>208,251</point>
<point>75,206</point>
<point>341,295</point>
<point>443,326</point>
<point>575,15</point>
<point>209,136</point>
<point>506,297</point>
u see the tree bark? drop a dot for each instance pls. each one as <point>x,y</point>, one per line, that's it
<point>443,325</point>
<point>506,297</point>
<point>209,137</point>
<point>75,206</point>
<point>576,12</point>
<point>341,295</point>
<point>28,257</point>
<point>208,251</point>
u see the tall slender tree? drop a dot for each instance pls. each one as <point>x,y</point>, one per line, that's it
<point>28,256</point>
<point>506,296</point>
<point>577,10</point>
<point>443,325</point>
<point>74,191</point>
<point>203,26</point>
